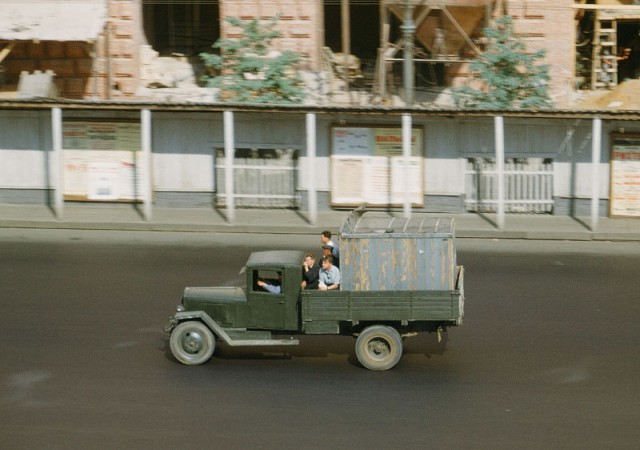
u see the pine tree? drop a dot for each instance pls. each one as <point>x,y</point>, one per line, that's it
<point>249,71</point>
<point>510,76</point>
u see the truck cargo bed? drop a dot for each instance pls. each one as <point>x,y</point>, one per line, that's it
<point>414,305</point>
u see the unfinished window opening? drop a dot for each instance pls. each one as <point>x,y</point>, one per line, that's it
<point>584,47</point>
<point>364,46</point>
<point>176,34</point>
<point>628,50</point>
<point>608,49</point>
<point>181,28</point>
<point>445,37</point>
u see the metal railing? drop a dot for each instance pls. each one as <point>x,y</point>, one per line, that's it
<point>528,185</point>
<point>262,178</point>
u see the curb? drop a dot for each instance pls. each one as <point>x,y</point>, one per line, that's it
<point>312,229</point>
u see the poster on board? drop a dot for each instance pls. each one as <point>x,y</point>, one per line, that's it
<point>102,161</point>
<point>625,176</point>
<point>367,166</point>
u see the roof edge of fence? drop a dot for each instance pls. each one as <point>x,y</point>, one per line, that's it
<point>45,104</point>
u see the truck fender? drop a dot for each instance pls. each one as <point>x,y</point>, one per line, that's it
<point>203,317</point>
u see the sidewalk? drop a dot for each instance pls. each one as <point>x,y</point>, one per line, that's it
<point>126,217</point>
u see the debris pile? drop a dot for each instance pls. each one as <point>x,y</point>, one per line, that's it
<point>625,96</point>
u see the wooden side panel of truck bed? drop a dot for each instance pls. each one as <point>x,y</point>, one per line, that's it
<point>434,305</point>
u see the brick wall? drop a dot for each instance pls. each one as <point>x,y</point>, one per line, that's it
<point>541,24</point>
<point>300,22</point>
<point>118,50</point>
<point>549,25</point>
<point>85,69</point>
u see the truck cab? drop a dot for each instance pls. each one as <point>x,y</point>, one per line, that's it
<point>269,310</point>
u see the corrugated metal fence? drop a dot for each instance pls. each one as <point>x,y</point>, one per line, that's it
<point>263,178</point>
<point>528,185</point>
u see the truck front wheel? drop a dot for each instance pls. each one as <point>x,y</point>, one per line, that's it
<point>379,347</point>
<point>192,343</point>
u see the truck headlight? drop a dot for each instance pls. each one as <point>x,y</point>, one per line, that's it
<point>180,308</point>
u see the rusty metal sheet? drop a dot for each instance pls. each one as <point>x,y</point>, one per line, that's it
<point>381,252</point>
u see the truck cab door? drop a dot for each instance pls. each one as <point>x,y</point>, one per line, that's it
<point>267,304</point>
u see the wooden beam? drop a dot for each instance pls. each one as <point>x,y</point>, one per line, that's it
<point>634,8</point>
<point>5,51</point>
<point>461,31</point>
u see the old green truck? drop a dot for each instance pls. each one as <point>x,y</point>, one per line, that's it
<point>399,278</point>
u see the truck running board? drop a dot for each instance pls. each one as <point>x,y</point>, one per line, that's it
<point>253,342</point>
<point>241,336</point>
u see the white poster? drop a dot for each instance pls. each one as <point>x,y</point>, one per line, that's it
<point>367,167</point>
<point>625,181</point>
<point>103,181</point>
<point>102,161</point>
<point>406,176</point>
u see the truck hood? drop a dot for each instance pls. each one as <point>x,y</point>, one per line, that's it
<point>213,294</point>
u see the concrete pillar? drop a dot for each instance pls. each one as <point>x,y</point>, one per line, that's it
<point>58,162</point>
<point>311,167</point>
<point>406,154</point>
<point>229,156</point>
<point>499,138</point>
<point>147,188</point>
<point>596,150</point>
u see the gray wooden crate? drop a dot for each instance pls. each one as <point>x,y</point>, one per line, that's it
<point>380,252</point>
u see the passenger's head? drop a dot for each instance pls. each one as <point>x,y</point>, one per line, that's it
<point>327,261</point>
<point>325,236</point>
<point>310,258</point>
<point>327,250</point>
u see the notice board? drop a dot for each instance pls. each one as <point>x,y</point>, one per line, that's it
<point>367,166</point>
<point>102,160</point>
<point>625,176</point>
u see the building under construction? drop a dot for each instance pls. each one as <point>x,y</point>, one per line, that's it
<point>137,49</point>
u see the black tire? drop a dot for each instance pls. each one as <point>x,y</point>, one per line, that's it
<point>379,347</point>
<point>192,343</point>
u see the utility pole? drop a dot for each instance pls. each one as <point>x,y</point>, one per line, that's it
<point>408,32</point>
<point>346,41</point>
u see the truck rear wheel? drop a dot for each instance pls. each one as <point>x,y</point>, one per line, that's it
<point>379,347</point>
<point>192,343</point>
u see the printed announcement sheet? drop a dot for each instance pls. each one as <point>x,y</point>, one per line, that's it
<point>625,180</point>
<point>102,161</point>
<point>367,166</point>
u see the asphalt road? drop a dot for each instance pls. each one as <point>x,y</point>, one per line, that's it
<point>547,358</point>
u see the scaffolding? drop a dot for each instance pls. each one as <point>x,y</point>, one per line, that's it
<point>445,31</point>
<point>607,50</point>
